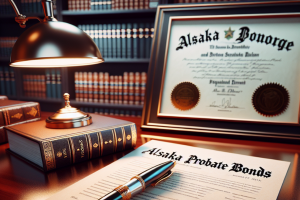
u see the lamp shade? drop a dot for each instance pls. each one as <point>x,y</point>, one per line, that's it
<point>54,44</point>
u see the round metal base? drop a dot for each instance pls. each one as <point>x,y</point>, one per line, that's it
<point>50,123</point>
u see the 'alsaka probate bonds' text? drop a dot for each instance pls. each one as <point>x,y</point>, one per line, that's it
<point>209,162</point>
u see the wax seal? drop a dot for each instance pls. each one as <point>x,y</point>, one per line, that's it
<point>185,96</point>
<point>270,99</point>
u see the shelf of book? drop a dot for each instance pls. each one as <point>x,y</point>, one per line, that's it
<point>106,105</point>
<point>107,12</point>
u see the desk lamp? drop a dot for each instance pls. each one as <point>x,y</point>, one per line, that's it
<point>51,43</point>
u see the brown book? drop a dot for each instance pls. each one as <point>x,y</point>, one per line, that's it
<point>16,112</point>
<point>137,79</point>
<point>85,86</point>
<point>76,80</point>
<point>125,88</point>
<point>54,148</point>
<point>111,89</point>
<point>116,89</point>
<point>101,87</point>
<point>80,86</point>
<point>90,87</point>
<point>143,86</point>
<point>131,88</point>
<point>95,88</point>
<point>106,87</point>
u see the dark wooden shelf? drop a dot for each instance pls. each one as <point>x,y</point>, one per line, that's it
<point>106,105</point>
<point>107,12</point>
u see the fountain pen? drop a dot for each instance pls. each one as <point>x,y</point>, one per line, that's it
<point>139,183</point>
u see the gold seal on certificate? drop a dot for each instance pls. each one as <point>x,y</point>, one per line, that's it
<point>185,96</point>
<point>270,99</point>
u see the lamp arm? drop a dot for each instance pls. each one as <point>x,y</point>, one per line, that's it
<point>21,19</point>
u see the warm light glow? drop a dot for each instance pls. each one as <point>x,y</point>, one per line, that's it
<point>57,62</point>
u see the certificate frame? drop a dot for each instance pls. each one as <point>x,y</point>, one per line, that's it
<point>154,120</point>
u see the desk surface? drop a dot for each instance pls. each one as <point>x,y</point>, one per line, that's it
<point>20,180</point>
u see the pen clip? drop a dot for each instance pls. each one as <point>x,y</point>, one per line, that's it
<point>163,178</point>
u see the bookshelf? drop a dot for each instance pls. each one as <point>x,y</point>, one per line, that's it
<point>115,66</point>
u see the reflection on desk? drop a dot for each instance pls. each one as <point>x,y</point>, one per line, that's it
<point>21,180</point>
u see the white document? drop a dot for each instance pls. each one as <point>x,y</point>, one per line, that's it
<point>199,174</point>
<point>228,69</point>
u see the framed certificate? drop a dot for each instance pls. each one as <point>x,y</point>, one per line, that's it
<point>230,69</point>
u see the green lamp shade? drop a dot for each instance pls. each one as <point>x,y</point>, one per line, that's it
<point>54,44</point>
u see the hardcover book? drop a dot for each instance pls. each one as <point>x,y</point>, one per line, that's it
<point>16,112</point>
<point>55,148</point>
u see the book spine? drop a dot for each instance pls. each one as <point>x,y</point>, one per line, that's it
<point>53,83</point>
<point>21,113</point>
<point>96,34</point>
<point>7,81</point>
<point>100,27</point>
<point>62,152</point>
<point>2,82</point>
<point>135,40</point>
<point>101,87</point>
<point>125,88</point>
<point>137,88</point>
<point>131,88</point>
<point>111,89</point>
<point>106,87</point>
<point>123,36</point>
<point>141,44</point>
<point>95,88</point>
<point>85,86</point>
<point>105,40</point>
<point>43,86</point>
<point>118,40</point>
<point>116,89</point>
<point>147,41</point>
<point>80,86</point>
<point>90,87</point>
<point>129,40</point>
<point>109,41</point>
<point>12,82</point>
<point>120,90</point>
<point>48,83</point>
<point>58,84</point>
<point>114,41</point>
<point>76,80</point>
<point>143,86</point>
<point>35,85</point>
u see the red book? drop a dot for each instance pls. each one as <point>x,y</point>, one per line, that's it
<point>85,86</point>
<point>120,90</point>
<point>143,86</point>
<point>95,88</point>
<point>137,88</point>
<point>116,89</point>
<point>125,88</point>
<point>106,87</point>
<point>101,87</point>
<point>90,87</point>
<point>131,88</point>
<point>76,79</point>
<point>111,89</point>
<point>80,86</point>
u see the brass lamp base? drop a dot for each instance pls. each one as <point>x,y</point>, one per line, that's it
<point>68,117</point>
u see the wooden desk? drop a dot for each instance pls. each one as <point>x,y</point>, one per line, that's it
<point>20,180</point>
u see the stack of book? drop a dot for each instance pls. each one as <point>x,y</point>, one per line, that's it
<point>132,40</point>
<point>6,45</point>
<point>111,4</point>
<point>104,88</point>
<point>16,112</point>
<point>7,81</point>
